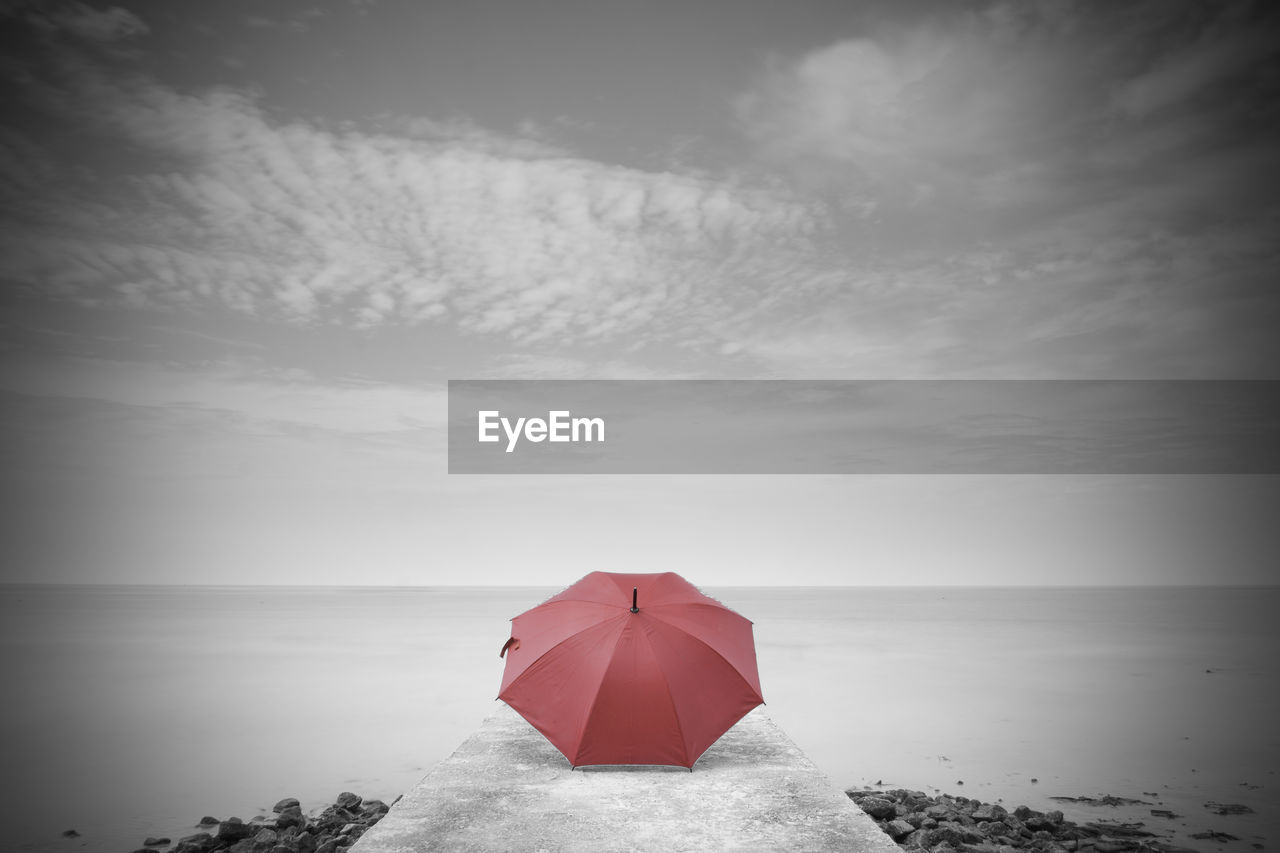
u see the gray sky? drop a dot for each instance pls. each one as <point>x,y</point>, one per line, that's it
<point>244,245</point>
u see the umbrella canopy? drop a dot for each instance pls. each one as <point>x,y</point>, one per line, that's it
<point>631,669</point>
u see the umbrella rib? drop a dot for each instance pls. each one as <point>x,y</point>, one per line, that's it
<point>675,712</point>
<point>549,650</point>
<point>586,720</point>
<point>712,604</point>
<point>714,651</point>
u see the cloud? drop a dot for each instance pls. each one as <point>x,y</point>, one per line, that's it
<point>85,22</point>
<point>257,398</point>
<point>912,110</point>
<point>300,24</point>
<point>1003,105</point>
<point>304,222</point>
<point>1228,49</point>
<point>1013,189</point>
<point>524,366</point>
<point>1098,157</point>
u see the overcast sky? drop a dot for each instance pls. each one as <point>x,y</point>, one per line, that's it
<point>243,246</point>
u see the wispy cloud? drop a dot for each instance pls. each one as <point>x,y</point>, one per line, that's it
<point>293,220</point>
<point>86,22</point>
<point>298,25</point>
<point>1065,181</point>
<point>1008,189</point>
<point>982,103</point>
<point>257,398</point>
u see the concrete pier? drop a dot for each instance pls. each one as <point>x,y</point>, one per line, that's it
<point>506,788</point>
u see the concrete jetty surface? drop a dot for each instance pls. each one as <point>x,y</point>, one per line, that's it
<point>506,788</point>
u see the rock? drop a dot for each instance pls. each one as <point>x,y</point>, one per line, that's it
<point>1122,830</point>
<point>198,843</point>
<point>1213,835</point>
<point>988,812</point>
<point>996,828</point>
<point>944,823</point>
<point>377,807</point>
<point>70,833</point>
<point>1104,800</point>
<point>265,839</point>
<point>288,830</point>
<point>1114,846</point>
<point>334,816</point>
<point>1218,808</point>
<point>233,829</point>
<point>947,834</point>
<point>877,807</point>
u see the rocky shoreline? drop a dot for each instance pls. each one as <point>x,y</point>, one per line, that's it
<point>286,830</point>
<point>916,821</point>
<point>951,824</point>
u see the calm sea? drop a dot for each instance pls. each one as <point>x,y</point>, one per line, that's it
<point>131,711</point>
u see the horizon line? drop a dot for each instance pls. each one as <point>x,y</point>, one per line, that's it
<point>375,586</point>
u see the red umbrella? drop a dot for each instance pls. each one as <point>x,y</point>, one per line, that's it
<point>631,669</point>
